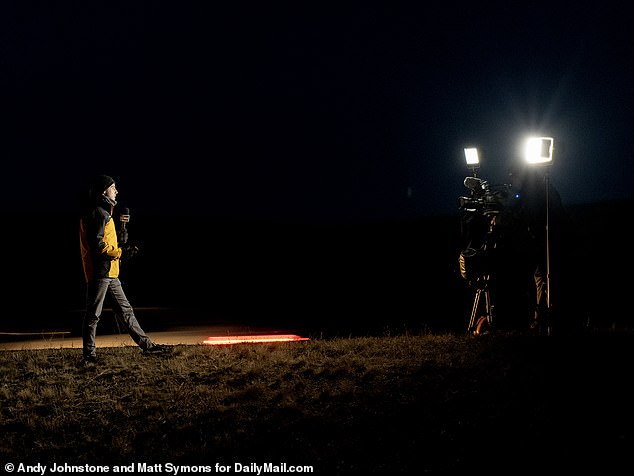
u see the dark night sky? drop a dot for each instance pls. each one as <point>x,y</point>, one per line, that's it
<point>307,111</point>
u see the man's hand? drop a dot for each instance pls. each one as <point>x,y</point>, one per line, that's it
<point>129,251</point>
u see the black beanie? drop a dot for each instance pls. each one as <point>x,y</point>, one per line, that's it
<point>100,183</point>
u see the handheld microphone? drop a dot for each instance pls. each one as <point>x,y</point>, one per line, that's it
<point>124,218</point>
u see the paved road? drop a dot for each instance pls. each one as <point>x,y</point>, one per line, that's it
<point>194,335</point>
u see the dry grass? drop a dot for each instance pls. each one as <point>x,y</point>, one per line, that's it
<point>393,404</point>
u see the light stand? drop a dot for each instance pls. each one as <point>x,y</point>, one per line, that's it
<point>539,151</point>
<point>547,180</point>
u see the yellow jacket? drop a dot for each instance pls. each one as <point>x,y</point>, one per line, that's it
<point>100,252</point>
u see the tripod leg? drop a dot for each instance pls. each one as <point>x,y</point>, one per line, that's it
<point>489,307</point>
<point>474,310</point>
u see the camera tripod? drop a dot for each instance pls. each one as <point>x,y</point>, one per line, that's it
<point>484,322</point>
<point>482,282</point>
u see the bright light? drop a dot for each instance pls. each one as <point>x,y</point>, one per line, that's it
<point>227,340</point>
<point>539,150</point>
<point>471,154</point>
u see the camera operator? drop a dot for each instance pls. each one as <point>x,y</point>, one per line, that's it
<point>488,261</point>
<point>531,196</point>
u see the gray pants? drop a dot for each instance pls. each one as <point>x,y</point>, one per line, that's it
<point>95,296</point>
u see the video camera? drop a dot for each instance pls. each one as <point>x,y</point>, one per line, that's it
<point>485,198</point>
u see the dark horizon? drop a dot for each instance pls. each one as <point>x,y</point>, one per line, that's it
<point>362,277</point>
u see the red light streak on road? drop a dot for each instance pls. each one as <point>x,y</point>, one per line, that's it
<point>227,340</point>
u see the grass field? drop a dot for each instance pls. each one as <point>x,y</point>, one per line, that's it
<point>431,404</point>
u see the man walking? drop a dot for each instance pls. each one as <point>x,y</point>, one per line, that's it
<point>101,254</point>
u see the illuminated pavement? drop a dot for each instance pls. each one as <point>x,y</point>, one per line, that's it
<point>194,335</point>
